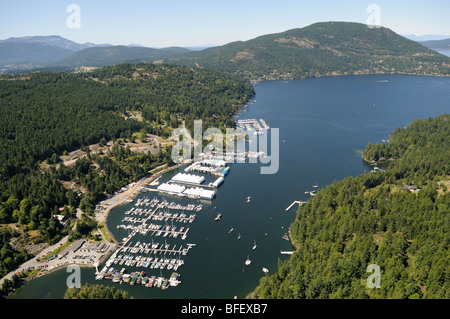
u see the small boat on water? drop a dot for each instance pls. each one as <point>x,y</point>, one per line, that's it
<point>218,217</point>
<point>248,261</point>
<point>254,245</point>
<point>239,236</point>
<point>249,199</point>
<point>230,230</point>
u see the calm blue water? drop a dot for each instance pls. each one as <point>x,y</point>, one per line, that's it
<point>324,125</point>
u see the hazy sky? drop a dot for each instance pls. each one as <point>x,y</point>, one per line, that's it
<point>162,23</point>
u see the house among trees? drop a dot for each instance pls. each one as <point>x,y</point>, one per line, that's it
<point>62,219</point>
<point>410,188</point>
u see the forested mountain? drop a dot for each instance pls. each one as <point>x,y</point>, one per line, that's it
<point>326,48</point>
<point>110,55</point>
<point>397,219</point>
<point>321,49</point>
<point>43,115</point>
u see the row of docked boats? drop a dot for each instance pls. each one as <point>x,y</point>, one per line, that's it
<point>156,203</point>
<point>158,216</point>
<point>149,262</point>
<point>157,230</point>
<point>137,278</point>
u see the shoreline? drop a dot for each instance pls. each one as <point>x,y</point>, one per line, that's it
<point>125,197</point>
<point>281,78</point>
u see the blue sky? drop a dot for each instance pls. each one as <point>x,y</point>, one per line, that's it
<point>162,23</point>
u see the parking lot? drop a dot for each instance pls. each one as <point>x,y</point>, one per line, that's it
<point>80,252</point>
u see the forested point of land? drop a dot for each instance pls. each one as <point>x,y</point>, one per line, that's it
<point>46,115</point>
<point>398,219</point>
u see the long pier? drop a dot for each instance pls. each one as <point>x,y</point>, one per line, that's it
<point>295,202</point>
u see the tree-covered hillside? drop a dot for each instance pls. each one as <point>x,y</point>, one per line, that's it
<point>44,115</point>
<point>398,219</point>
<point>321,49</point>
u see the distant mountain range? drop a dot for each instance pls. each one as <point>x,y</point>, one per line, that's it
<point>426,37</point>
<point>52,41</point>
<point>37,51</point>
<point>32,52</point>
<point>325,48</point>
<point>437,44</point>
<point>102,56</point>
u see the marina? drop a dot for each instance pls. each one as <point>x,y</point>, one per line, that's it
<point>249,125</point>
<point>162,219</point>
<point>151,255</point>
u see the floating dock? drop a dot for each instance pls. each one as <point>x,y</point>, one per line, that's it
<point>218,182</point>
<point>199,192</point>
<point>188,178</point>
<point>192,193</point>
<point>212,170</point>
<point>174,189</point>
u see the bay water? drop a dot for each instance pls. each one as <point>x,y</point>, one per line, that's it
<point>324,125</point>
